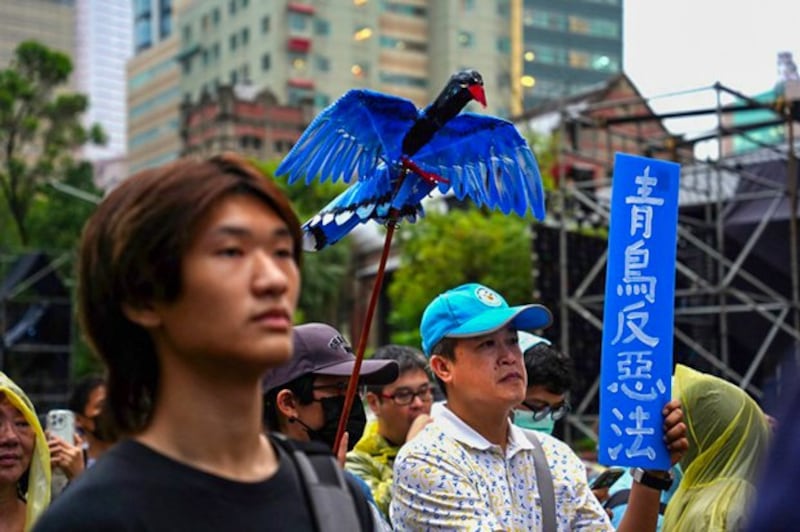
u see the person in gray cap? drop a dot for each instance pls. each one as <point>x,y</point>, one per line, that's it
<point>304,398</point>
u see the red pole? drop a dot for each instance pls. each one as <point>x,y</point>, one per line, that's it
<point>352,384</point>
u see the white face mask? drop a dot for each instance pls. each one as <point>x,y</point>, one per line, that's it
<point>524,419</point>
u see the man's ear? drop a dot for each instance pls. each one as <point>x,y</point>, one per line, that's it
<point>143,315</point>
<point>374,402</point>
<point>286,404</point>
<point>442,367</point>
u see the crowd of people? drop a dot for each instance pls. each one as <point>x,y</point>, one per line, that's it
<point>217,412</point>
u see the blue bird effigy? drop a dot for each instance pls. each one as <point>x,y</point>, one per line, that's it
<point>397,155</point>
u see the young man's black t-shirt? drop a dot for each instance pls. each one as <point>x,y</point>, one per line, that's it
<point>134,488</point>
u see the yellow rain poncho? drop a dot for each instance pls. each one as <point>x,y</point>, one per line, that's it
<point>728,435</point>
<point>38,495</point>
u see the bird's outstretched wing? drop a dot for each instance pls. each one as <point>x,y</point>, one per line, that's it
<point>350,138</point>
<point>485,158</point>
<point>372,199</point>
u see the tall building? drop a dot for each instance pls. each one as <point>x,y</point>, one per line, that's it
<point>103,45</point>
<point>51,22</point>
<point>304,51</point>
<point>569,47</point>
<point>154,95</point>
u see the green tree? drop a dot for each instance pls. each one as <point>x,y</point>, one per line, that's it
<point>56,216</point>
<point>39,127</point>
<point>442,251</point>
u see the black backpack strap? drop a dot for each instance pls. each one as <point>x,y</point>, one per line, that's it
<point>621,497</point>
<point>335,504</point>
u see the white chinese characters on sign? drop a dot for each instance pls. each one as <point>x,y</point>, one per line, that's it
<point>634,359</point>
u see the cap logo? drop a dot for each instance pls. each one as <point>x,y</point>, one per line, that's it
<point>488,297</point>
<point>336,342</point>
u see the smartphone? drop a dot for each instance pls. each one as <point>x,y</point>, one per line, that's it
<point>607,478</point>
<point>62,424</point>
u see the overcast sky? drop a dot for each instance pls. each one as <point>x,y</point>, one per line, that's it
<point>679,45</point>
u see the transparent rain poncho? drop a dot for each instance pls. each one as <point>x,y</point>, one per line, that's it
<point>728,434</point>
<point>38,494</point>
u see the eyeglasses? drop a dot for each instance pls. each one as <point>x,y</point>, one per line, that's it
<point>404,396</point>
<point>541,411</point>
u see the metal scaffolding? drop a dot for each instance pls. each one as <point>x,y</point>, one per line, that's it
<point>718,283</point>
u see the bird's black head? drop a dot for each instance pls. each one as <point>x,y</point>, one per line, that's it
<point>472,81</point>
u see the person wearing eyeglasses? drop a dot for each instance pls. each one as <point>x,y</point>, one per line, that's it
<point>471,468</point>
<point>304,398</point>
<point>401,408</point>
<point>550,377</point>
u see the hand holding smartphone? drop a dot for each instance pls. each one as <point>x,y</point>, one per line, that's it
<point>61,423</point>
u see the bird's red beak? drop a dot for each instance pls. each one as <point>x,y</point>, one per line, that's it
<point>477,93</point>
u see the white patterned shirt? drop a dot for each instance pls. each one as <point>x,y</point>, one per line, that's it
<point>449,477</point>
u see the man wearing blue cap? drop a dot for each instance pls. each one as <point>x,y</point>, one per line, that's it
<point>470,468</point>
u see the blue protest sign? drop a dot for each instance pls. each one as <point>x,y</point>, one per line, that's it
<point>636,366</point>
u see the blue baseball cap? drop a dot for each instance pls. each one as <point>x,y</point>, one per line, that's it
<point>472,310</point>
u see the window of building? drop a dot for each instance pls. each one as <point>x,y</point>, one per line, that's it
<point>541,18</point>
<point>322,100</point>
<point>232,7</point>
<point>141,8</point>
<point>234,41</point>
<point>465,39</point>
<point>402,44</point>
<point>245,71</point>
<point>215,51</point>
<point>579,59</point>
<point>265,24</point>
<point>503,8</point>
<point>143,31</point>
<point>403,79</point>
<point>404,9</point>
<point>187,33</point>
<point>265,62</point>
<point>322,63</point>
<point>206,56</point>
<point>549,55</point>
<point>245,3</point>
<point>215,16</point>
<point>187,65</point>
<point>165,25</point>
<point>245,36</point>
<point>298,21</point>
<point>205,22</point>
<point>322,27</point>
<point>504,45</point>
<point>234,77</point>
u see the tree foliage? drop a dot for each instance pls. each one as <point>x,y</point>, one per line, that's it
<point>39,127</point>
<point>442,251</point>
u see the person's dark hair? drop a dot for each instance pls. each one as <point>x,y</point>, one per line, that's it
<point>547,366</point>
<point>407,358</point>
<point>446,348</point>
<point>302,387</point>
<point>83,388</point>
<point>131,253</point>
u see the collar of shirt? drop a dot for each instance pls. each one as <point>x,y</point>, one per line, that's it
<point>454,427</point>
